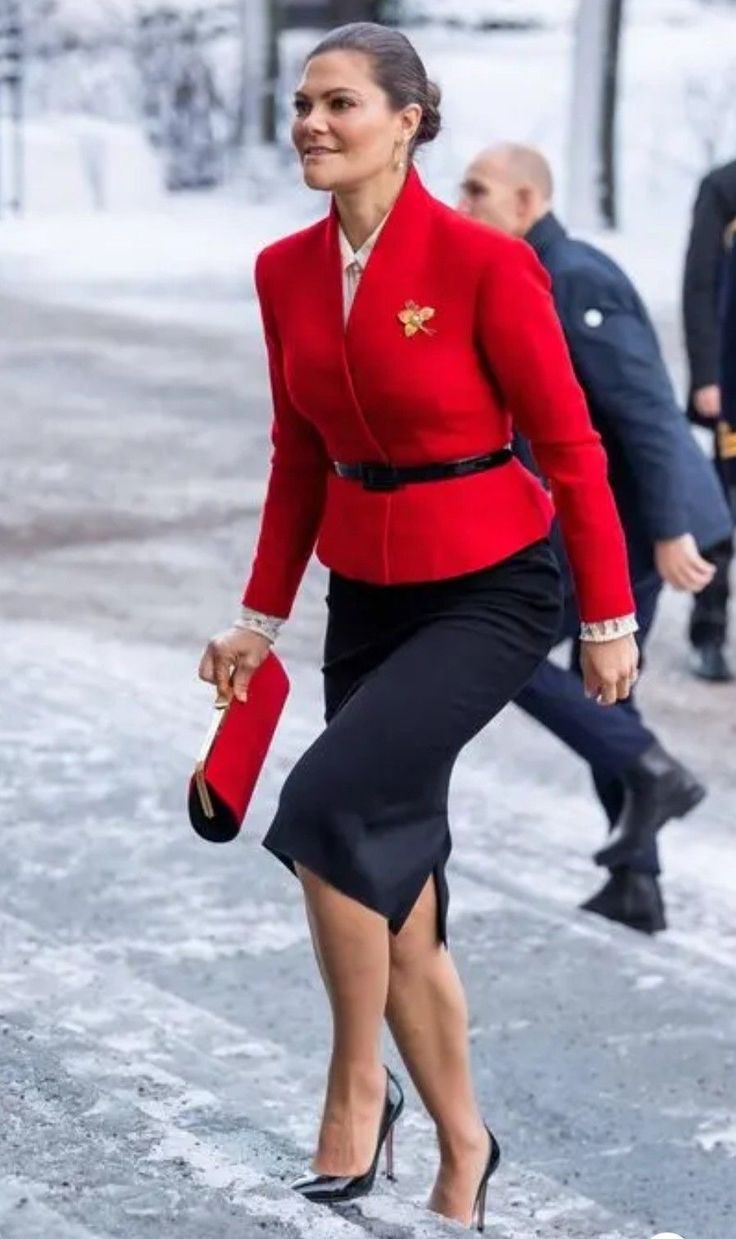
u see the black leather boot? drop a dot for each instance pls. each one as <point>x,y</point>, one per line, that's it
<point>656,789</point>
<point>709,663</point>
<point>632,898</point>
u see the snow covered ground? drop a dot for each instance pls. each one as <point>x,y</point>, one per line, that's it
<point>163,1033</point>
<point>190,256</point>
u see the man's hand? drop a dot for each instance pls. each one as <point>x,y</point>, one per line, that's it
<point>707,401</point>
<point>609,668</point>
<point>680,564</point>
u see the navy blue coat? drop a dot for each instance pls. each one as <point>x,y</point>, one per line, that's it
<point>663,484</point>
<point>728,376</point>
<point>715,207</point>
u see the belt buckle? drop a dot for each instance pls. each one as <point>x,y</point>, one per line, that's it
<point>379,477</point>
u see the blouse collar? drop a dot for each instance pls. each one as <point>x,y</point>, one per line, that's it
<point>349,256</point>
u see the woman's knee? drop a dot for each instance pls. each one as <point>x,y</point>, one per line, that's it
<point>406,951</point>
<point>416,942</point>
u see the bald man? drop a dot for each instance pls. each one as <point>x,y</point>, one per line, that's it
<point>670,507</point>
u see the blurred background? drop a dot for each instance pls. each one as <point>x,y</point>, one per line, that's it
<point>162,1029</point>
<point>145,149</point>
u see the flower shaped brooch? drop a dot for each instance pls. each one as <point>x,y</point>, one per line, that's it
<point>413,318</point>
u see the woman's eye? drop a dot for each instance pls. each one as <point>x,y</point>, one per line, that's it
<point>301,107</point>
<point>342,104</point>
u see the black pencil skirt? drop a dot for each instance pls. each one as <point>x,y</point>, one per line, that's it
<point>411,674</point>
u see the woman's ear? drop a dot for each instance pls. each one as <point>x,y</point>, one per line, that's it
<point>525,202</point>
<point>411,119</point>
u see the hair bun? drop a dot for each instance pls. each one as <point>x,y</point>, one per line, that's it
<point>431,122</point>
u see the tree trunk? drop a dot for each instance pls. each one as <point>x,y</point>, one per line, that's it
<point>11,106</point>
<point>608,121</point>
<point>592,148</point>
<point>255,120</point>
<point>270,101</point>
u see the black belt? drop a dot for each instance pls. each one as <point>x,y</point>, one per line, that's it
<point>391,477</point>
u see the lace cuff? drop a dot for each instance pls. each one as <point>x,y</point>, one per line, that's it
<point>609,630</point>
<point>265,625</point>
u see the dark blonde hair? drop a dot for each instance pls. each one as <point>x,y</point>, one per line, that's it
<point>397,68</point>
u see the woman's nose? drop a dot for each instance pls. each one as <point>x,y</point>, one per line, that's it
<point>316,122</point>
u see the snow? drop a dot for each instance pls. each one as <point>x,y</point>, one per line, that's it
<point>186,257</point>
<point>65,155</point>
<point>100,228</point>
<point>187,261</point>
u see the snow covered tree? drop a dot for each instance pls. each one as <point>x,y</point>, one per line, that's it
<point>184,113</point>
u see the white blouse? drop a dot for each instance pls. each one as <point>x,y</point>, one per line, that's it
<point>353,264</point>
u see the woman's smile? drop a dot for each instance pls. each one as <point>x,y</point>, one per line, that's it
<point>317,151</point>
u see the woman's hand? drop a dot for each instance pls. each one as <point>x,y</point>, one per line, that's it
<point>230,660</point>
<point>609,668</point>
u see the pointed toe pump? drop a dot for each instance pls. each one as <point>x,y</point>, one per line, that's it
<point>479,1208</point>
<point>328,1189</point>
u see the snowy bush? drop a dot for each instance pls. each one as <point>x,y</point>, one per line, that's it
<point>171,65</point>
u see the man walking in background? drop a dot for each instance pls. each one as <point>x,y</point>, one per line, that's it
<point>727,372</point>
<point>670,505</point>
<point>714,210</point>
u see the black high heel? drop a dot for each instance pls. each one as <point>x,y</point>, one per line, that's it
<point>479,1208</point>
<point>329,1189</point>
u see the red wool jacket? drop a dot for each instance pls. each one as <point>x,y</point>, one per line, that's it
<point>494,353</point>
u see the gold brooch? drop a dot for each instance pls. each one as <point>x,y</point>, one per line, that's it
<point>414,317</point>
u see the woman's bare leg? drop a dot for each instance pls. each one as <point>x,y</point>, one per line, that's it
<point>351,945</point>
<point>427,1014</point>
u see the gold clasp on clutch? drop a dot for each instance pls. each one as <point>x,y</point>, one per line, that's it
<point>221,705</point>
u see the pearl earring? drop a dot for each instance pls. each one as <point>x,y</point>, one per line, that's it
<point>400,156</point>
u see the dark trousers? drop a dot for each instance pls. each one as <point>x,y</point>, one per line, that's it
<point>709,616</point>
<point>609,738</point>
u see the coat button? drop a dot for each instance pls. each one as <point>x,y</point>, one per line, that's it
<point>592,318</point>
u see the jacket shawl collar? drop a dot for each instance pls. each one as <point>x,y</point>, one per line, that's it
<point>391,276</point>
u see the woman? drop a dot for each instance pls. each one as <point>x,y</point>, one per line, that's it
<point>399,335</point>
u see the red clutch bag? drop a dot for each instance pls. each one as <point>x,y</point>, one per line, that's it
<point>233,753</point>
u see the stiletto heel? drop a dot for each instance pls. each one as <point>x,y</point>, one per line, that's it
<point>479,1208</point>
<point>330,1189</point>
<point>390,1155</point>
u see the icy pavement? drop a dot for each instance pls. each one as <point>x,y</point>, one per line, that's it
<point>162,1029</point>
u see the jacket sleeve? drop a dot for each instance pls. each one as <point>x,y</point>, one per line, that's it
<point>522,341</point>
<point>700,285</point>
<point>618,362</point>
<point>296,490</point>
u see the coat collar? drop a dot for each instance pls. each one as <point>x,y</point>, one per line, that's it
<point>391,278</point>
<point>545,233</point>
<point>411,195</point>
<point>408,220</point>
